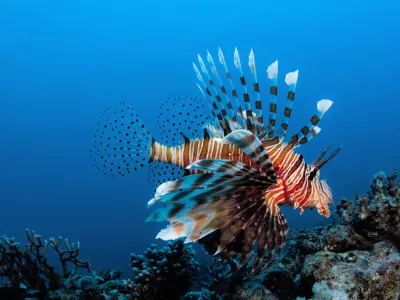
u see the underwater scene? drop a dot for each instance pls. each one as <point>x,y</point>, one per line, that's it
<point>199,150</point>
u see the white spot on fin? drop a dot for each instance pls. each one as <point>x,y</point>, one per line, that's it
<point>291,78</point>
<point>323,105</point>
<point>273,70</point>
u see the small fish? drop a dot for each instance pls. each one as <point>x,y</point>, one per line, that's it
<point>238,170</point>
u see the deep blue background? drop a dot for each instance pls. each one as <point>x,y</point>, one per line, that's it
<point>63,62</point>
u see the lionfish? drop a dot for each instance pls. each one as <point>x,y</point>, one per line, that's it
<point>238,169</point>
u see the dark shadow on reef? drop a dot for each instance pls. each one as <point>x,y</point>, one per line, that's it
<point>358,259</point>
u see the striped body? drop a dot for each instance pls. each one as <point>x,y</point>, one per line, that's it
<point>292,187</point>
<point>191,151</point>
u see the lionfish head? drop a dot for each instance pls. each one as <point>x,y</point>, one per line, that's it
<point>320,194</point>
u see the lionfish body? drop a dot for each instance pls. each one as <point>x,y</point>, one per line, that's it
<point>238,171</point>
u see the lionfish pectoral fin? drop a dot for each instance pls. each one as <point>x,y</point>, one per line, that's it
<point>253,147</point>
<point>273,234</point>
<point>260,223</point>
<point>223,210</point>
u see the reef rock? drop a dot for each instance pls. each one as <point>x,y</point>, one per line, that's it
<point>355,274</point>
<point>252,290</point>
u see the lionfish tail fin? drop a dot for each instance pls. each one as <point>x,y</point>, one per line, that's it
<point>122,143</point>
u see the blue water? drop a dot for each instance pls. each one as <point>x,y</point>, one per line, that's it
<point>63,62</point>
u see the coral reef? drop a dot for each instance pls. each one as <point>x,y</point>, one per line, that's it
<point>375,215</point>
<point>357,259</point>
<point>154,271</point>
<point>29,269</point>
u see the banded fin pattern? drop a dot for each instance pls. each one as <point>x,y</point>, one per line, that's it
<point>291,81</point>
<point>229,200</point>
<point>253,147</point>
<point>311,129</point>
<point>246,96</point>
<point>251,118</point>
<point>259,122</point>
<point>272,72</point>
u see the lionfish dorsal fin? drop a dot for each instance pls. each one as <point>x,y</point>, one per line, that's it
<point>221,58</point>
<point>246,96</point>
<point>310,130</point>
<point>291,81</point>
<point>259,122</point>
<point>272,73</point>
<point>217,120</point>
<point>219,103</point>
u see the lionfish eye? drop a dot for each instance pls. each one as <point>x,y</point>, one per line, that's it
<point>312,174</point>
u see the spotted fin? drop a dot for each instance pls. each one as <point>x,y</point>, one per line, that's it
<point>160,173</point>
<point>182,116</point>
<point>122,143</point>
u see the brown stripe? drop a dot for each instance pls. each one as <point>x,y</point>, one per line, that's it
<point>305,130</point>
<point>256,87</point>
<point>272,122</point>
<point>295,166</point>
<point>303,141</point>
<point>315,120</point>
<point>153,151</point>
<point>175,210</point>
<point>186,154</point>
<point>194,152</point>
<point>203,152</point>
<point>287,112</point>
<point>168,154</point>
